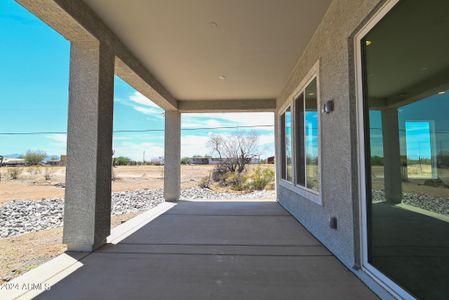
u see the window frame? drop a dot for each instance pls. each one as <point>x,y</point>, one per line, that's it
<point>282,136</point>
<point>312,195</point>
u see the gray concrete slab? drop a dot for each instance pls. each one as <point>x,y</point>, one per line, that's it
<point>241,250</point>
<point>227,208</point>
<point>240,230</point>
<point>187,254</point>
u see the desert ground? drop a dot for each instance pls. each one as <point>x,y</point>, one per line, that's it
<point>416,181</point>
<point>16,257</point>
<point>36,183</point>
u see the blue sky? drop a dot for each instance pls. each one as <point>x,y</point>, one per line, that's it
<point>34,77</point>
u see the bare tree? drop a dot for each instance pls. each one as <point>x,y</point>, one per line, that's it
<point>216,143</point>
<point>234,151</point>
<point>247,149</point>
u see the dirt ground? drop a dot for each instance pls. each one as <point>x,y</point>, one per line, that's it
<point>23,253</point>
<point>35,183</point>
<point>32,184</point>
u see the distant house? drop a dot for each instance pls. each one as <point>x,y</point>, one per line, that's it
<point>53,162</point>
<point>270,160</point>
<point>158,160</point>
<point>57,162</point>
<point>205,161</point>
<point>13,162</point>
<point>216,161</point>
<point>199,161</point>
<point>255,160</point>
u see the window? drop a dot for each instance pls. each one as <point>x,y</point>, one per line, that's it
<point>405,81</point>
<point>307,138</point>
<point>421,162</point>
<point>286,145</point>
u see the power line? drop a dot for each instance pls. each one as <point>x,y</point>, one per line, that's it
<point>140,130</point>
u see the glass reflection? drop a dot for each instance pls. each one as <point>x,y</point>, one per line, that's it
<point>288,144</point>
<point>311,137</point>
<point>406,78</point>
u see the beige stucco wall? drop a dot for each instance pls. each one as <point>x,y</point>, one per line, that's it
<point>332,45</point>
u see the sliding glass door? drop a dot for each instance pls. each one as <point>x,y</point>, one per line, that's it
<point>405,67</point>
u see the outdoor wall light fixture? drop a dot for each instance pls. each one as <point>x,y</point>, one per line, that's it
<point>222,77</point>
<point>328,107</point>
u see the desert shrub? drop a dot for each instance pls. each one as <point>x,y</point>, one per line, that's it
<point>48,174</point>
<point>258,180</point>
<point>235,181</point>
<point>185,161</point>
<point>261,177</point>
<point>35,171</point>
<point>113,175</point>
<point>219,172</point>
<point>14,173</point>
<point>33,158</point>
<point>204,182</point>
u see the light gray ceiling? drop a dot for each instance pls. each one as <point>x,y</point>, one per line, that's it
<point>189,44</point>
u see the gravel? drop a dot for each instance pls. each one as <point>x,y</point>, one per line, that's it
<point>23,216</point>
<point>437,205</point>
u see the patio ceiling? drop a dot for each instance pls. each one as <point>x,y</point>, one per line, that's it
<point>215,50</point>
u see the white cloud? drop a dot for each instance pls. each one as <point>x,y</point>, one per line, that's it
<point>58,144</point>
<point>141,104</point>
<point>146,110</point>
<point>197,145</point>
<point>266,139</point>
<point>194,145</point>
<point>60,138</point>
<point>135,150</point>
<point>138,98</point>
<point>122,138</point>
<point>193,120</point>
<point>265,118</point>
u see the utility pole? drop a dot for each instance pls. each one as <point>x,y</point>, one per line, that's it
<point>143,157</point>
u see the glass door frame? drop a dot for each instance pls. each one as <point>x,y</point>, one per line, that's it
<point>366,267</point>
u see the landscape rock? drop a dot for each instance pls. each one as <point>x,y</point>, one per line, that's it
<point>24,216</point>
<point>437,205</point>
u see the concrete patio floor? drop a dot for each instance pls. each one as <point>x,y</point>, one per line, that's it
<point>214,250</point>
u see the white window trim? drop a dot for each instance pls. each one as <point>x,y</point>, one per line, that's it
<point>280,113</point>
<point>369,269</point>
<point>307,193</point>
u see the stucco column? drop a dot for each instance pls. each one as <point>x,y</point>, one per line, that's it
<point>172,157</point>
<point>392,156</point>
<point>87,207</point>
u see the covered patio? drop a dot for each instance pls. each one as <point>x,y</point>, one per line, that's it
<point>210,250</point>
<point>300,60</point>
